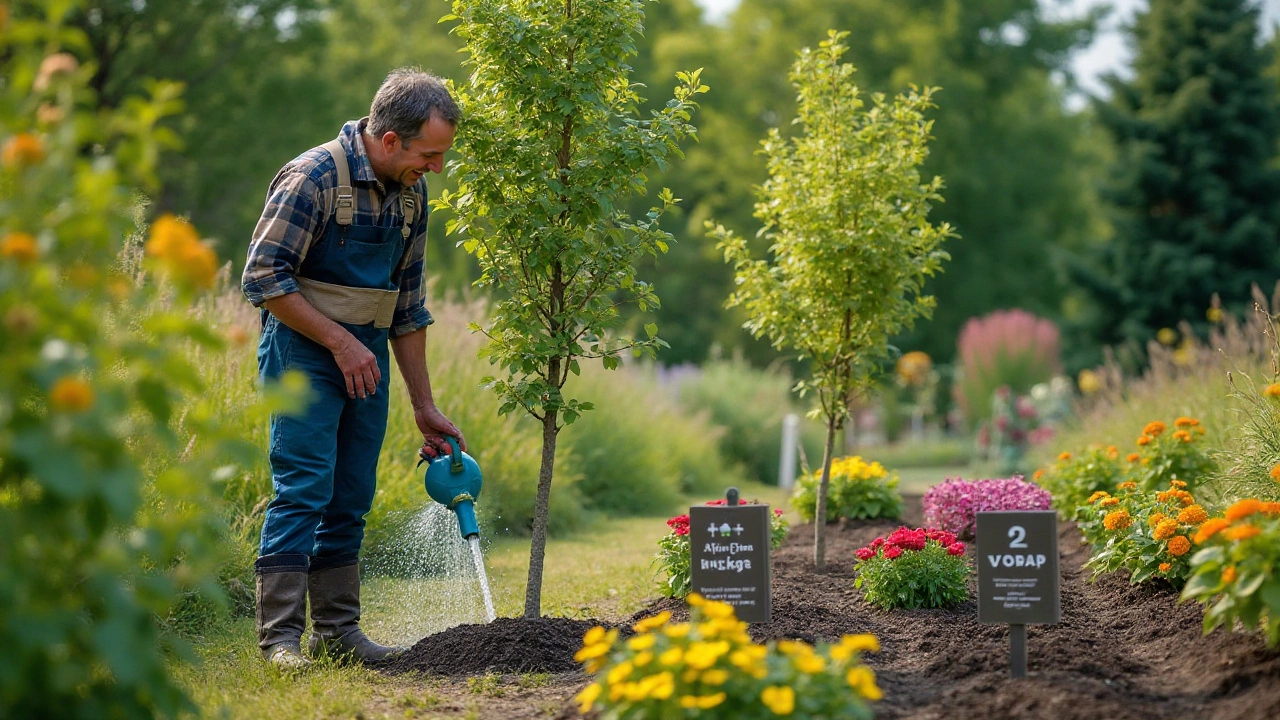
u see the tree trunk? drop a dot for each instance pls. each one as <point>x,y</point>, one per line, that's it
<point>541,509</point>
<point>820,515</point>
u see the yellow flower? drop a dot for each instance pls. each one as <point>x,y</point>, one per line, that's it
<point>1089,382</point>
<point>702,655</point>
<point>860,643</point>
<point>695,600</point>
<point>1166,529</point>
<point>19,246</point>
<point>1243,509</point>
<point>810,664</point>
<point>1179,545</point>
<point>653,622</point>
<point>1153,428</point>
<point>1211,528</point>
<point>1192,515</point>
<point>1229,574</point>
<point>1117,520</point>
<point>22,149</point>
<point>716,610</point>
<point>715,677</point>
<point>678,630</point>
<point>1165,567</point>
<point>1242,532</point>
<point>71,394</point>
<point>794,648</point>
<point>1064,456</point>
<point>643,658</point>
<point>702,702</point>
<point>177,246</point>
<point>1213,315</point>
<point>664,684</point>
<point>1167,336</point>
<point>641,642</point>
<point>672,656</point>
<point>586,698</point>
<point>863,680</point>
<point>780,699</point>
<point>594,636</point>
<point>620,672</point>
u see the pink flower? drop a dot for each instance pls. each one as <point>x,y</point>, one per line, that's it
<point>865,553</point>
<point>777,511</point>
<point>892,551</point>
<point>954,504</point>
<point>955,548</point>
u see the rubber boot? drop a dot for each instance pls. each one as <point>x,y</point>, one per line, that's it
<point>335,618</point>
<point>282,613</point>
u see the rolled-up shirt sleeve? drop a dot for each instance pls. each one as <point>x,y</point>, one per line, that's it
<point>293,215</point>
<point>411,311</point>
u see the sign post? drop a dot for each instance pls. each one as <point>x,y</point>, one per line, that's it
<point>1018,581</point>
<point>729,556</point>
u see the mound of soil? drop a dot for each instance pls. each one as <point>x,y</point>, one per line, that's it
<point>506,645</point>
<point>1120,651</point>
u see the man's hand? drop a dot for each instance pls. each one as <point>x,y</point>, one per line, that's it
<point>435,427</point>
<point>359,368</point>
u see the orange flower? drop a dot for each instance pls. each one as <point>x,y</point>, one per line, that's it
<point>1133,457</point>
<point>71,394</point>
<point>1185,421</point>
<point>1211,528</point>
<point>1128,485</point>
<point>1144,440</point>
<point>22,149</point>
<point>1182,435</point>
<point>1117,520</point>
<point>178,248</point>
<point>1108,502</point>
<point>1179,545</point>
<point>19,246</point>
<point>1185,497</point>
<point>1097,495</point>
<point>1166,529</point>
<point>1165,567</point>
<point>1192,515</point>
<point>1177,484</point>
<point>1271,508</point>
<point>1112,452</point>
<point>1064,456</point>
<point>1242,532</point>
<point>1272,390</point>
<point>1243,509</point>
<point>1037,474</point>
<point>1156,519</point>
<point>1229,574</point>
<point>1275,472</point>
<point>1153,428</point>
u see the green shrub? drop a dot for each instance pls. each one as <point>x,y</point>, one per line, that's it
<point>1234,575</point>
<point>1077,476</point>
<point>750,405</point>
<point>858,490</point>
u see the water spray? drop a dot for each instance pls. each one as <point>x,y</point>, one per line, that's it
<point>454,481</point>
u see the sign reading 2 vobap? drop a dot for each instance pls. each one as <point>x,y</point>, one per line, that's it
<point>729,550</point>
<point>1018,575</point>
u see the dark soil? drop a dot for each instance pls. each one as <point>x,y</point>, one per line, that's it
<point>1120,651</point>
<point>507,645</point>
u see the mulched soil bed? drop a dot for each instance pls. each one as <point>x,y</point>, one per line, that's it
<point>1120,651</point>
<point>507,645</point>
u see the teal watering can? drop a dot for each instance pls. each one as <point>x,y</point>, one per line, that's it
<point>454,480</point>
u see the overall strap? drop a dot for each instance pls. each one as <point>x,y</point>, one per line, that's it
<point>344,212</point>
<point>408,206</point>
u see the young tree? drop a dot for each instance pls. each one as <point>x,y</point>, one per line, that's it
<point>552,141</point>
<point>847,217</point>
<point>1194,192</point>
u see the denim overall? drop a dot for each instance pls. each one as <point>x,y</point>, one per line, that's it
<point>324,460</point>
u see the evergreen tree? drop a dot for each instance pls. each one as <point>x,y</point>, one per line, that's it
<point>1193,192</point>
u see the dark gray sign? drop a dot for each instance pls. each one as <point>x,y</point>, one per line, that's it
<point>1018,568</point>
<point>729,553</point>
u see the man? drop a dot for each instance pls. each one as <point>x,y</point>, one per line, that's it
<point>336,264</point>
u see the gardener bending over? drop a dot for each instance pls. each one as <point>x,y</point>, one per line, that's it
<point>336,264</point>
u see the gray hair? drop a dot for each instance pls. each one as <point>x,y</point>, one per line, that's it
<point>408,98</point>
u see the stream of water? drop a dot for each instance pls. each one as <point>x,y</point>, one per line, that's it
<point>478,556</point>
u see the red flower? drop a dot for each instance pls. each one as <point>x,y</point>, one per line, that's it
<point>679,524</point>
<point>955,549</point>
<point>777,511</point>
<point>865,553</point>
<point>875,544</point>
<point>892,551</point>
<point>722,501</point>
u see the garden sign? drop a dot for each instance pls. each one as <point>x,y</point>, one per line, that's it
<point>1018,575</point>
<point>729,554</point>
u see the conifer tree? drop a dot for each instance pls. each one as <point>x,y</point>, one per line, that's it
<point>1193,193</point>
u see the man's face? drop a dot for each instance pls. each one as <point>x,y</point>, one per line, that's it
<point>410,160</point>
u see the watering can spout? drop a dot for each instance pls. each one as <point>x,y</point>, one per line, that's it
<point>454,480</point>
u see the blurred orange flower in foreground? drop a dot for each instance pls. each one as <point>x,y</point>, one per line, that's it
<point>19,246</point>
<point>22,149</point>
<point>175,243</point>
<point>71,394</point>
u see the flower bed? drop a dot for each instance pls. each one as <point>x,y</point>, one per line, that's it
<point>1146,534</point>
<point>920,568</point>
<point>673,556</point>
<point>857,490</point>
<point>954,505</point>
<point>670,670</point>
<point>1234,574</point>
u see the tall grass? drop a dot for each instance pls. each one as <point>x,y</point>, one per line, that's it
<point>1218,380</point>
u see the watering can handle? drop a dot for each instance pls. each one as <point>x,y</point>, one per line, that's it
<point>455,455</point>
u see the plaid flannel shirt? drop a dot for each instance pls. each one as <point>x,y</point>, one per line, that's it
<point>300,203</point>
